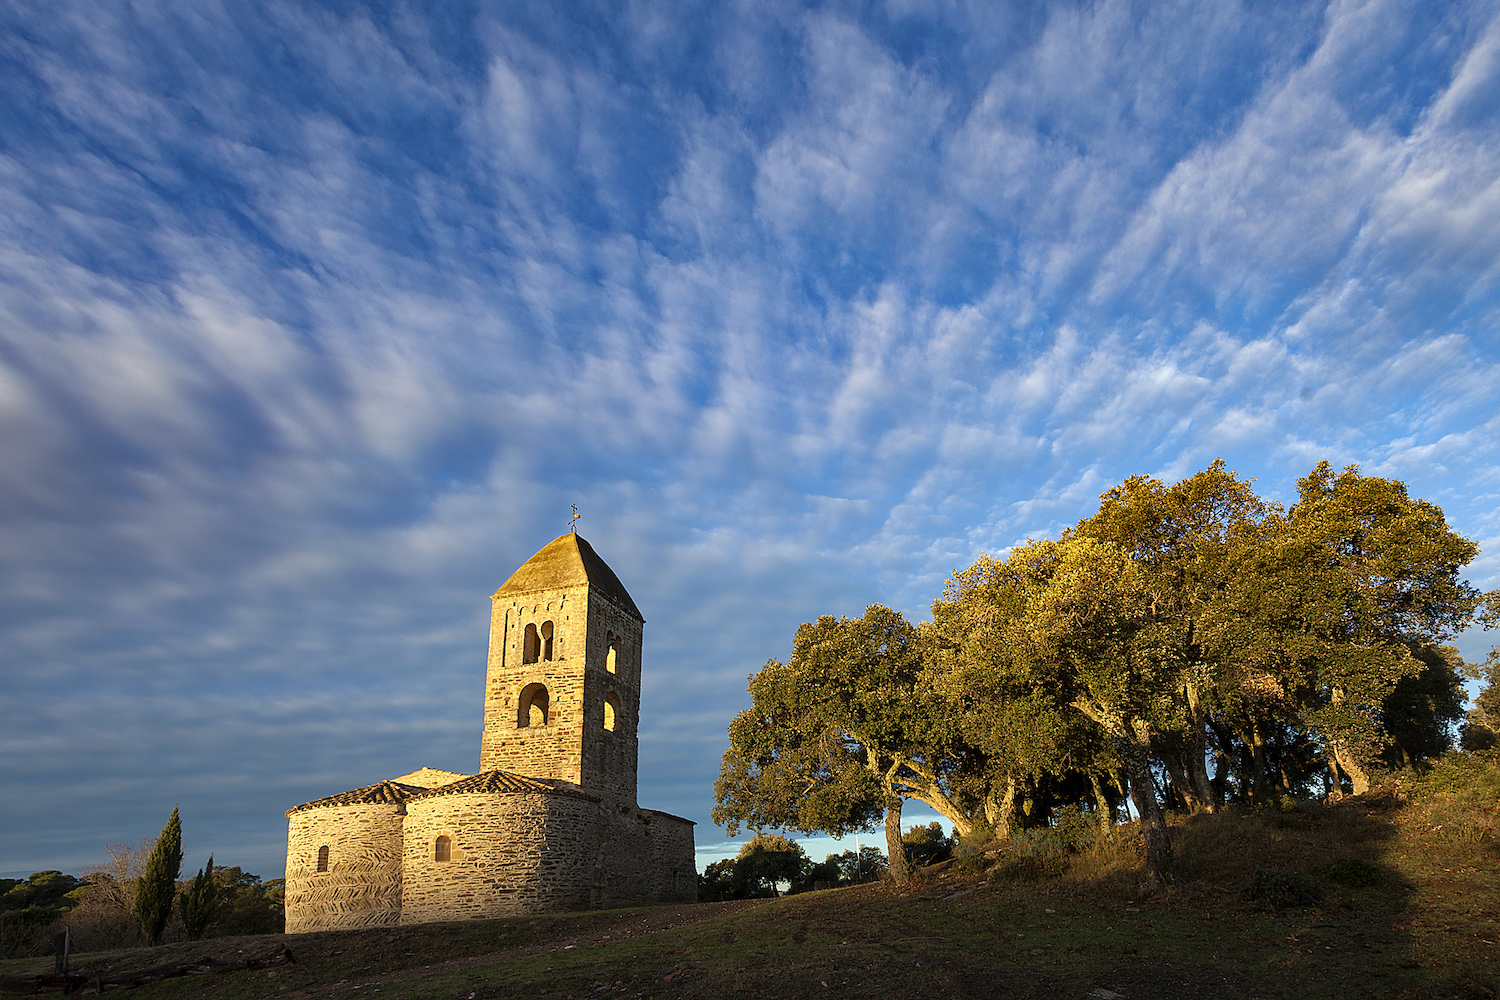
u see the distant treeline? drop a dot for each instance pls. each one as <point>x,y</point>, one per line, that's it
<point>769,865</point>
<point>97,908</point>
<point>1188,645</point>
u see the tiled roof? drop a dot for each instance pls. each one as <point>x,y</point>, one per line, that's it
<point>429,777</point>
<point>393,792</point>
<point>499,781</point>
<point>568,561</point>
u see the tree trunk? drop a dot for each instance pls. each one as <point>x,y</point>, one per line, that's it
<point>1196,757</point>
<point>1106,811</point>
<point>1282,781</point>
<point>1143,793</point>
<point>1001,812</point>
<point>1177,776</point>
<point>1123,785</point>
<point>1026,805</point>
<point>1359,778</point>
<point>1197,768</point>
<point>924,786</point>
<point>894,849</point>
<point>1223,761</point>
<point>1336,791</point>
<point>1258,759</point>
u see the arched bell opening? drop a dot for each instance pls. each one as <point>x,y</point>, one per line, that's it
<point>531,707</point>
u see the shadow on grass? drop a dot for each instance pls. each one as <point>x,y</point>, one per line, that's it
<point>1364,899</point>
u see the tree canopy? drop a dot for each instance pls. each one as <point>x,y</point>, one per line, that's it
<point>840,734</point>
<point>1188,644</point>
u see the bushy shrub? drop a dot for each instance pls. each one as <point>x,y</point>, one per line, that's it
<point>246,905</point>
<point>1029,867</point>
<point>102,917</point>
<point>1042,852</point>
<point>1075,829</point>
<point>28,909</point>
<point>1456,797</point>
<point>971,863</point>
<point>1354,873</point>
<point>1281,890</point>
<point>979,837</point>
<point>1467,778</point>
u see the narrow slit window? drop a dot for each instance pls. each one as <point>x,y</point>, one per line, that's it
<point>531,645</point>
<point>442,849</point>
<point>611,711</point>
<point>323,858</point>
<point>611,657</point>
<point>546,640</point>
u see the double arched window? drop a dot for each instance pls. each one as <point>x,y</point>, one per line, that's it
<point>536,644</point>
<point>531,707</point>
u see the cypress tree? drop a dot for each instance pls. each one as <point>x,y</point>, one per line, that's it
<point>158,884</point>
<point>199,902</point>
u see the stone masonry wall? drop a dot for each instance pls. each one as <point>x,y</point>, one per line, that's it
<point>362,887</point>
<point>553,750</point>
<point>644,857</point>
<point>608,765</point>
<point>516,853</point>
<point>674,863</point>
<point>574,745</point>
<point>512,853</point>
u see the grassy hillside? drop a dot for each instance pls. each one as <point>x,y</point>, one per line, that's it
<point>1394,894</point>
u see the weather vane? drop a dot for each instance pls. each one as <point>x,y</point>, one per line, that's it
<point>573,521</point>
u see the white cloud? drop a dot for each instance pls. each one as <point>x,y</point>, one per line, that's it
<point>297,362</point>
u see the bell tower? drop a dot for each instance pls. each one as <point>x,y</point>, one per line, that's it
<point>563,688</point>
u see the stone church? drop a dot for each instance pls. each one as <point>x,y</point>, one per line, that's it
<point>550,823</point>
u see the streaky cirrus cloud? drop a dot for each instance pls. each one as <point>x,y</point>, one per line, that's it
<point>314,323</point>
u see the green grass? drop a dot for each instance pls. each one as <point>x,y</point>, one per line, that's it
<point>1379,897</point>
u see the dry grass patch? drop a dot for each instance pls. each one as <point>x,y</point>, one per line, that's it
<point>1403,909</point>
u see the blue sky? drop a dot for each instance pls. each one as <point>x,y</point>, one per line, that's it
<point>316,318</point>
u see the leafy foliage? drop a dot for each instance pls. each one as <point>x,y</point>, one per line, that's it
<point>840,734</point>
<point>868,864</point>
<point>927,845</point>
<point>767,860</point>
<point>199,902</point>
<point>763,863</point>
<point>28,908</point>
<point>1187,646</point>
<point>158,883</point>
<point>1481,730</point>
<point>246,904</point>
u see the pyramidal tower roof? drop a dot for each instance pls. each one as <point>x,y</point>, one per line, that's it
<point>568,561</point>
